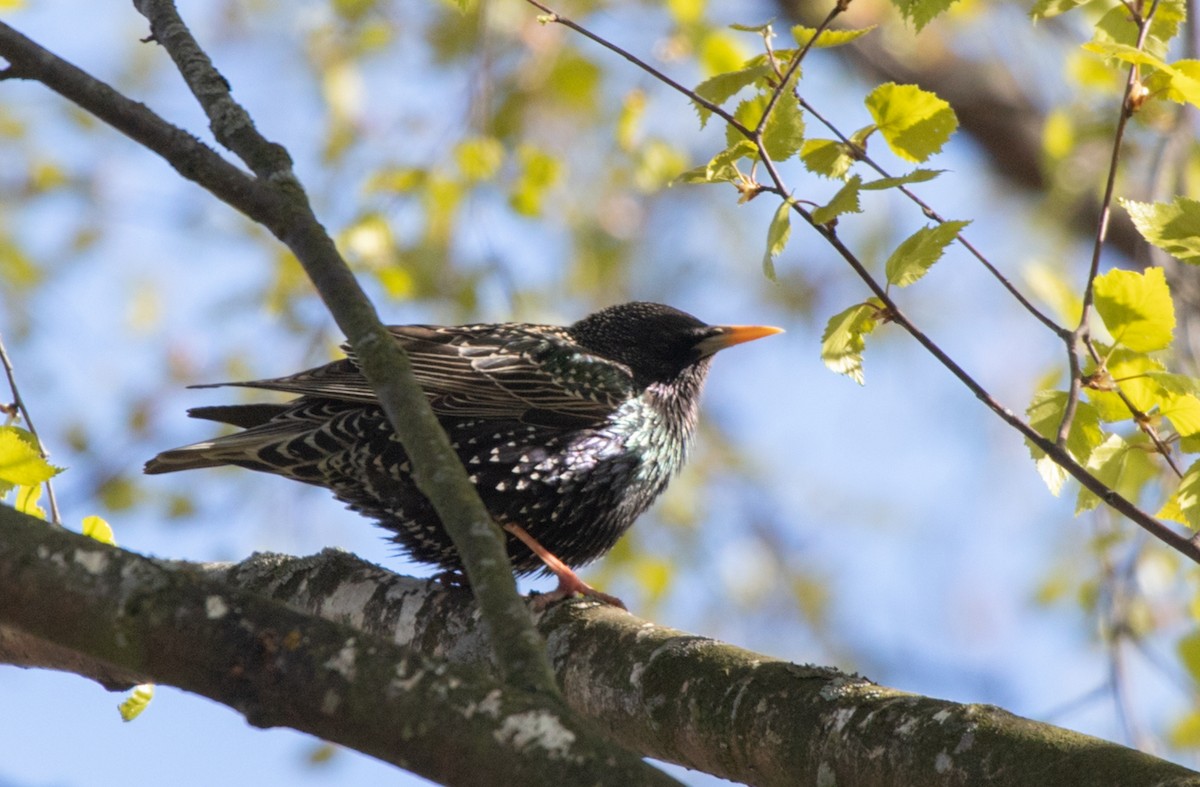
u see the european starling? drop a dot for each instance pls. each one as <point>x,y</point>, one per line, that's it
<point>569,433</point>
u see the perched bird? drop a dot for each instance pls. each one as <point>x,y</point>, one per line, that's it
<point>569,433</point>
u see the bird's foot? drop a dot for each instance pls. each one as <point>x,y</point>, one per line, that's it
<point>569,582</point>
<point>568,588</point>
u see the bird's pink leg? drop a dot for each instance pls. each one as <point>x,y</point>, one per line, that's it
<point>569,582</point>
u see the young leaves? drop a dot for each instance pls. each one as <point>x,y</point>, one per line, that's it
<point>21,464</point>
<point>917,254</point>
<point>777,237</point>
<point>827,38</point>
<point>842,344</point>
<point>1184,505</point>
<point>921,12</point>
<point>1174,227</point>
<point>1045,414</point>
<point>721,87</point>
<point>914,122</point>
<point>1136,308</point>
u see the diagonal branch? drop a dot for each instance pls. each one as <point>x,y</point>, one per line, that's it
<point>451,723</point>
<point>279,203</point>
<point>664,693</point>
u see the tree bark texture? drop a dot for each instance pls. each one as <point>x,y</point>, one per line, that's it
<point>400,668</point>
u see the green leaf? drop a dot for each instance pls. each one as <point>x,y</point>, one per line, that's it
<point>914,122</point>
<point>1136,308</point>
<point>1125,466</point>
<point>1181,84</point>
<point>1170,383</point>
<point>784,129</point>
<point>842,344</point>
<point>27,501</point>
<point>1183,506</point>
<point>1044,9</point>
<point>1173,227</point>
<point>137,701</point>
<point>784,132</point>
<point>1132,371</point>
<point>826,157</point>
<point>828,38</point>
<point>1118,26</point>
<point>720,88</point>
<point>1183,411</point>
<point>921,12</point>
<point>763,30</point>
<point>95,527</point>
<point>698,175</point>
<point>21,464</point>
<point>845,201</point>
<point>1125,53</point>
<point>777,237</point>
<point>722,166</point>
<point>914,257</point>
<point>916,176</point>
<point>1045,415</point>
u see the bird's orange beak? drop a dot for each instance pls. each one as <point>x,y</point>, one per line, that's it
<point>728,335</point>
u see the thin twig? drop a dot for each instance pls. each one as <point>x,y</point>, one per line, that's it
<point>1182,544</point>
<point>438,472</point>
<point>557,18</point>
<point>1082,331</point>
<point>55,518</point>
<point>786,78</point>
<point>862,155</point>
<point>1140,418</point>
<point>279,204</point>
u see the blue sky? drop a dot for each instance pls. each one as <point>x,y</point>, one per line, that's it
<point>919,511</point>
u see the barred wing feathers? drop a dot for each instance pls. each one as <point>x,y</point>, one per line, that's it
<point>530,373</point>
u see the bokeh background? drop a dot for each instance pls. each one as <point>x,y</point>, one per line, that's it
<point>481,166</point>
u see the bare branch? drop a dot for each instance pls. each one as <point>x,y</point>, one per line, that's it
<point>279,667</point>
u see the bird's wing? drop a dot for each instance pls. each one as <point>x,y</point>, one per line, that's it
<point>531,373</point>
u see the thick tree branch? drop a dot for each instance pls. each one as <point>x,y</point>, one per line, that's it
<point>278,201</point>
<point>279,667</point>
<point>660,692</point>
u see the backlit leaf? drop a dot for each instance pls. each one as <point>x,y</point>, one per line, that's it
<point>1136,308</point>
<point>1184,505</point>
<point>1125,466</point>
<point>1174,227</point>
<point>828,38</point>
<point>913,257</point>
<point>921,12</point>
<point>1045,415</point>
<point>842,344</point>
<point>777,237</point>
<point>95,527</point>
<point>826,157</point>
<point>845,201</point>
<point>914,122</point>
<point>21,464</point>
<point>720,88</point>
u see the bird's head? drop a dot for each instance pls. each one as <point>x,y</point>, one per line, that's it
<point>658,343</point>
